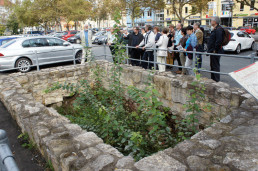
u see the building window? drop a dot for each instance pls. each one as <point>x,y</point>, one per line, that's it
<point>186,10</point>
<point>167,12</point>
<point>149,13</point>
<point>143,15</point>
<point>252,5</point>
<point>242,5</point>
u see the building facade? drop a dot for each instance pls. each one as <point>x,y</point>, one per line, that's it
<point>149,16</point>
<point>231,13</point>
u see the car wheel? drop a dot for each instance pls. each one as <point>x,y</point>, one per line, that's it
<point>23,65</point>
<point>78,57</point>
<point>238,49</point>
<point>99,43</point>
<point>78,41</point>
<point>253,46</point>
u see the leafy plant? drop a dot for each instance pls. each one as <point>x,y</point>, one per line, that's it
<point>49,166</point>
<point>190,124</point>
<point>132,120</point>
<point>26,142</point>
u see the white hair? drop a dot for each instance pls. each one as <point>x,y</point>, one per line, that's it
<point>216,19</point>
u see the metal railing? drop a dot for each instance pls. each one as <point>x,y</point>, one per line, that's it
<point>126,59</point>
<point>7,162</point>
<point>252,58</point>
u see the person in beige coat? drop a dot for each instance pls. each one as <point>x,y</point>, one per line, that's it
<point>162,44</point>
<point>86,42</point>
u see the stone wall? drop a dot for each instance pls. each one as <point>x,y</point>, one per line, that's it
<point>174,89</point>
<point>230,144</point>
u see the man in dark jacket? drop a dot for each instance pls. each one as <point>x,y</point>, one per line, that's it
<point>215,46</point>
<point>135,39</point>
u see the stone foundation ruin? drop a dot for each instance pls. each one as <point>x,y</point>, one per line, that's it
<point>230,144</point>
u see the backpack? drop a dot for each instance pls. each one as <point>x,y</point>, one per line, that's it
<point>227,37</point>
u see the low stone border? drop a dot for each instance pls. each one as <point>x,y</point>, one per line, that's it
<point>174,89</point>
<point>66,145</point>
<point>228,145</point>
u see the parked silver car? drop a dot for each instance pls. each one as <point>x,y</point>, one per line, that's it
<point>21,53</point>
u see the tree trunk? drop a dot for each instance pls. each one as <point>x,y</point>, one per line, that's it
<point>45,27</point>
<point>67,26</point>
<point>75,25</point>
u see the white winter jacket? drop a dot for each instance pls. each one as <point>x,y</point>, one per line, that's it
<point>162,44</point>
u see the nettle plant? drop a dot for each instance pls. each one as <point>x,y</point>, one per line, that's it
<point>132,120</point>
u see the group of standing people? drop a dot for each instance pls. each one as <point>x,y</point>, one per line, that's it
<point>182,39</point>
<point>173,45</point>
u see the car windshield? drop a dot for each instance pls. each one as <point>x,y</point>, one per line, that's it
<point>78,34</point>
<point>232,34</point>
<point>8,44</point>
<point>5,41</point>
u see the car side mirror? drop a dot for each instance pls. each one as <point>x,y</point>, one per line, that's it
<point>66,44</point>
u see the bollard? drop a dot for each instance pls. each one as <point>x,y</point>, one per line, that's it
<point>37,60</point>
<point>7,162</point>
<point>127,54</point>
<point>74,58</point>
<point>252,58</point>
<point>155,59</point>
<point>194,60</point>
<point>105,51</point>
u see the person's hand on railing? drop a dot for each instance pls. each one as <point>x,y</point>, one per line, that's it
<point>137,47</point>
<point>143,48</point>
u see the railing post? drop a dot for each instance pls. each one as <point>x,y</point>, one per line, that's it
<point>105,51</point>
<point>194,60</point>
<point>37,60</point>
<point>155,58</point>
<point>7,162</point>
<point>252,58</point>
<point>74,58</point>
<point>127,54</point>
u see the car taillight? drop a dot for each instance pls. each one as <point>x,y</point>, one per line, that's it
<point>1,54</point>
<point>232,39</point>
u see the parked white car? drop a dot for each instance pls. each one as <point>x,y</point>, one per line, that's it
<point>239,41</point>
<point>22,53</point>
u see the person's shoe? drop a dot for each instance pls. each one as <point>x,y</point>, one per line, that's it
<point>178,72</point>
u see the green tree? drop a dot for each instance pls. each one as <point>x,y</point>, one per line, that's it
<point>13,24</point>
<point>75,10</point>
<point>2,29</point>
<point>199,6</point>
<point>177,8</point>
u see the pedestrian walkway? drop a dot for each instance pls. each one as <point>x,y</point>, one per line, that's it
<point>23,157</point>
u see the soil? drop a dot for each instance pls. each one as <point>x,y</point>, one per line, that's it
<point>27,160</point>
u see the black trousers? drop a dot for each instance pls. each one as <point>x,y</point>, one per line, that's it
<point>176,57</point>
<point>215,66</point>
<point>135,54</point>
<point>148,56</point>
